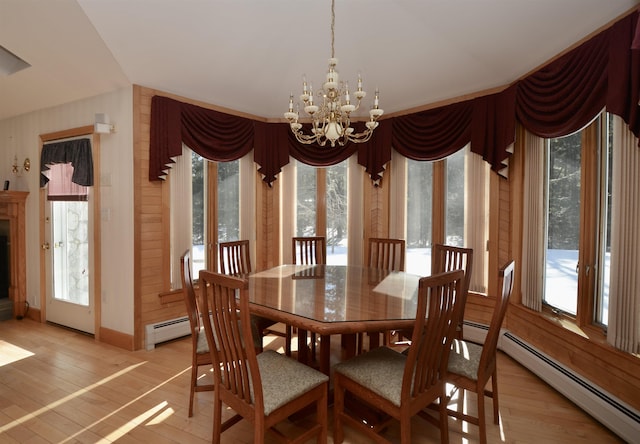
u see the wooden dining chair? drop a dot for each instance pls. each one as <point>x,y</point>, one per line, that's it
<point>400,385</point>
<point>266,388</point>
<point>310,250</point>
<point>235,257</point>
<point>386,254</point>
<point>235,260</point>
<point>200,356</point>
<point>472,365</point>
<point>448,258</point>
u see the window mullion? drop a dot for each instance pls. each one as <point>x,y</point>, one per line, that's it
<point>212,215</point>
<point>439,201</point>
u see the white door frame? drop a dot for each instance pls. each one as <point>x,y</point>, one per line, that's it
<point>94,210</point>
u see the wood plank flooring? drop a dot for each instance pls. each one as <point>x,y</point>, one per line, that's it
<point>59,386</point>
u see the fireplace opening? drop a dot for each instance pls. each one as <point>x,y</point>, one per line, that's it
<point>5,280</point>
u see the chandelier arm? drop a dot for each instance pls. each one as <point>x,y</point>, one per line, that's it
<point>361,137</point>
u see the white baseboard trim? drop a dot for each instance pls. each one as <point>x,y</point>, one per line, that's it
<point>613,413</point>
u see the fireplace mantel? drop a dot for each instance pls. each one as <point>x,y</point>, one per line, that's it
<point>12,208</point>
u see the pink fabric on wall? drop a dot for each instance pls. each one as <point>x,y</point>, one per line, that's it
<point>60,186</point>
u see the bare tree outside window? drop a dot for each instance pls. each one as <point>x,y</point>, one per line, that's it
<point>336,208</point>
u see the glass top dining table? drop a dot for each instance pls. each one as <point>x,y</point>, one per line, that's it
<point>334,299</point>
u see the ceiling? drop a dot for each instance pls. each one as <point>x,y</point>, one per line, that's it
<point>249,55</point>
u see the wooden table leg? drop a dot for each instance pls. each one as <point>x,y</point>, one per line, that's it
<point>303,350</point>
<point>325,354</point>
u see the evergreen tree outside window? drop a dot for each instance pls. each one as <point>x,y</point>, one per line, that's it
<point>419,215</point>
<point>578,223</point>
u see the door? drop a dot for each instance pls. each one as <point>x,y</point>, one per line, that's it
<point>70,299</point>
<point>69,230</point>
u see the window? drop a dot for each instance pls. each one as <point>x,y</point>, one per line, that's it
<point>306,200</point>
<point>455,194</point>
<point>192,218</point>
<point>337,210</point>
<point>321,196</point>
<point>446,202</point>
<point>198,213</point>
<point>228,209</point>
<point>419,226</point>
<point>563,222</point>
<point>578,220</point>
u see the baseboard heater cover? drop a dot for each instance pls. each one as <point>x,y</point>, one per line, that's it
<point>166,331</point>
<point>615,414</point>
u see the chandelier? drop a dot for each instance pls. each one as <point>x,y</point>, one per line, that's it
<point>331,119</point>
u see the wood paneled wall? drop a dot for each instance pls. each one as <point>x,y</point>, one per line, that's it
<point>585,352</point>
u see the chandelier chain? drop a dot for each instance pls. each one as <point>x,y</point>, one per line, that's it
<point>333,27</point>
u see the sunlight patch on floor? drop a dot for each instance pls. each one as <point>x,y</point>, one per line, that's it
<point>131,424</point>
<point>67,398</point>
<point>135,422</point>
<point>10,353</point>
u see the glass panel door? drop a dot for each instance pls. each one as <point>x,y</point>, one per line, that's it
<point>69,281</point>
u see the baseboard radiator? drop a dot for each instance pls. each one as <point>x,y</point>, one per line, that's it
<point>613,413</point>
<point>166,331</point>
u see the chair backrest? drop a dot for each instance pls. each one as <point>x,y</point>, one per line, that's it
<point>309,250</point>
<point>386,254</point>
<point>190,298</point>
<point>488,356</point>
<point>226,299</point>
<point>235,258</point>
<point>433,333</point>
<point>449,258</point>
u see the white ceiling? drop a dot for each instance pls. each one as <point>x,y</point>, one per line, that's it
<point>249,55</point>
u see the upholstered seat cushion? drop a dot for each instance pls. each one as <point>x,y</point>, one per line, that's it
<point>284,379</point>
<point>201,344</point>
<point>465,359</point>
<point>381,370</point>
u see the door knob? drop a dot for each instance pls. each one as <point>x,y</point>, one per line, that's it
<point>45,246</point>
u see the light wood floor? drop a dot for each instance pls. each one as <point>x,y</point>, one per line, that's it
<point>58,386</point>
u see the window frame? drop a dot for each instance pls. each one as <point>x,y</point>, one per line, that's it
<point>439,207</point>
<point>590,271</point>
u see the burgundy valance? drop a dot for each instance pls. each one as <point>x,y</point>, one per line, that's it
<point>557,100</point>
<point>433,134</point>
<point>211,134</point>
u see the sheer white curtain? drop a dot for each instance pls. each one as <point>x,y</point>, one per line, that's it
<point>624,296</point>
<point>533,223</point>
<point>181,226</point>
<point>476,197</point>
<point>288,201</point>
<point>355,222</point>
